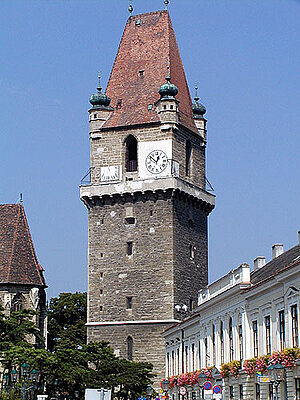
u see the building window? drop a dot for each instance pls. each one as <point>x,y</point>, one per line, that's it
<point>231,392</point>
<point>192,251</point>
<point>129,249</point>
<point>241,392</point>
<point>186,358</point>
<point>255,338</point>
<point>282,329</point>
<point>241,341</point>
<point>222,342</point>
<point>101,291</point>
<point>268,334</point>
<point>188,157</point>
<point>129,341</point>
<point>192,304</point>
<point>131,154</point>
<point>17,302</point>
<point>213,334</point>
<point>129,303</point>
<point>101,275</point>
<point>206,352</point>
<point>271,397</point>
<point>173,363</point>
<point>294,314</point>
<point>297,388</point>
<point>101,308</point>
<point>193,357</point>
<point>257,391</point>
<point>230,339</point>
<point>130,220</point>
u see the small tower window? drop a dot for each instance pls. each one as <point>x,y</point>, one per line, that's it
<point>188,158</point>
<point>129,303</point>
<point>141,72</point>
<point>129,250</point>
<point>192,251</point>
<point>131,153</point>
<point>130,220</point>
<point>129,341</point>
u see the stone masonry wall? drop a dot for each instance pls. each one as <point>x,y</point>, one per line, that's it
<point>148,345</point>
<point>146,276</point>
<point>190,270</point>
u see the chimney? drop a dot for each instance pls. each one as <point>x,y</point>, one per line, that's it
<point>299,237</point>
<point>259,262</point>
<point>277,249</point>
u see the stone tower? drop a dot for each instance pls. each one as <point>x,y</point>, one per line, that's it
<point>147,200</point>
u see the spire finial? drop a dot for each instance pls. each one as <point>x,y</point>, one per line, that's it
<point>166,4</point>
<point>130,8</point>
<point>196,98</point>
<point>168,68</point>
<point>99,88</point>
<point>21,198</point>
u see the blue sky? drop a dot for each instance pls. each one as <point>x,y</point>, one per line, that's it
<point>245,57</point>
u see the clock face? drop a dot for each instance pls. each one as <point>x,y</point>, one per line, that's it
<point>156,161</point>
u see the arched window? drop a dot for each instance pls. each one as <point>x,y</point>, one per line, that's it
<point>188,158</point>
<point>129,348</point>
<point>17,303</point>
<point>131,154</point>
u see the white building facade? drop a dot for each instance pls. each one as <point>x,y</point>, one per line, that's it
<point>242,316</point>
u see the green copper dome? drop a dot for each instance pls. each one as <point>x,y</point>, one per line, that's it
<point>198,108</point>
<point>99,99</point>
<point>168,89</point>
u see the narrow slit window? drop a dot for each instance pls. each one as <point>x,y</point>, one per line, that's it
<point>129,303</point>
<point>129,248</point>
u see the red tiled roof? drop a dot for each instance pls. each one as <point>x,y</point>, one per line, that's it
<point>18,261</point>
<point>148,42</point>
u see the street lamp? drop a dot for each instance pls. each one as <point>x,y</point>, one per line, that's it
<point>277,375</point>
<point>202,378</point>
<point>165,385</point>
<point>14,375</point>
<point>149,391</point>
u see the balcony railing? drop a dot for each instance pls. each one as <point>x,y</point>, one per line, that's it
<point>131,165</point>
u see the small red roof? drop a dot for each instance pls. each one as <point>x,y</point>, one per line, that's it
<point>140,68</point>
<point>18,261</point>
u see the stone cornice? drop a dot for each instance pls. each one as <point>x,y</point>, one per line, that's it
<point>171,186</point>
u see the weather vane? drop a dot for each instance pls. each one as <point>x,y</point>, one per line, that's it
<point>130,8</point>
<point>166,4</point>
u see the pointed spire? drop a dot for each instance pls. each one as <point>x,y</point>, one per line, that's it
<point>130,8</point>
<point>166,4</point>
<point>168,78</point>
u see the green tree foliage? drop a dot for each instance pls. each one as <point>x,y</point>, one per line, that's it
<point>66,320</point>
<point>69,364</point>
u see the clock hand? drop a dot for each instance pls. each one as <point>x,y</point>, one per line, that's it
<point>153,159</point>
